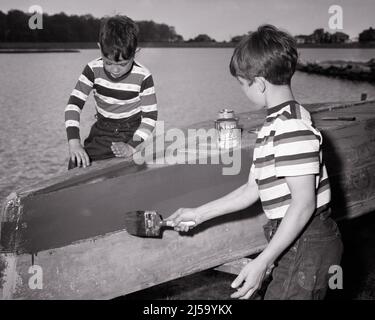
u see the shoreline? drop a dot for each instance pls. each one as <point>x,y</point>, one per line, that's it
<point>45,50</point>
<point>351,70</point>
<point>48,46</point>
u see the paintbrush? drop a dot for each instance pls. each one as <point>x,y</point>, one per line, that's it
<point>147,223</point>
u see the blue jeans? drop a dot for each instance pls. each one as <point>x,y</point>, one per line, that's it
<point>302,271</point>
<point>105,131</point>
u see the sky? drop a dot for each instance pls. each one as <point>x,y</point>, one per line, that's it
<point>220,19</point>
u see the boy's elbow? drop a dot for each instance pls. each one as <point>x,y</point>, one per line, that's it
<point>309,206</point>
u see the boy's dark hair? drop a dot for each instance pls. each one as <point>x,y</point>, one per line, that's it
<point>267,52</point>
<point>118,37</point>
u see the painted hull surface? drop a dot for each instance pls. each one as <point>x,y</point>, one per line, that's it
<point>72,226</point>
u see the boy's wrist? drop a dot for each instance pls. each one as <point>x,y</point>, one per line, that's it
<point>74,142</point>
<point>266,258</point>
<point>133,149</point>
<point>199,216</point>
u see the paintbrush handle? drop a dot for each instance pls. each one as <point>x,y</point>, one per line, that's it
<point>169,223</point>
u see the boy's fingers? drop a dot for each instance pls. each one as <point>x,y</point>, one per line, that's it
<point>178,220</point>
<point>78,160</point>
<point>236,282</point>
<point>80,154</point>
<point>242,292</point>
<point>87,159</point>
<point>248,294</point>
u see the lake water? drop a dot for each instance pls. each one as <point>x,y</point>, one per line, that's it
<point>191,86</point>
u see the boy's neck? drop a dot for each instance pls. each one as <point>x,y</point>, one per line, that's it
<point>278,94</point>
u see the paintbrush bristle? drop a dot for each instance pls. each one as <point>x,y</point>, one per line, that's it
<point>135,223</point>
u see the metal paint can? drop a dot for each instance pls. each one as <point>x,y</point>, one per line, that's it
<point>228,131</point>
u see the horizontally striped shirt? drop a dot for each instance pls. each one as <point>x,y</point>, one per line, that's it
<point>115,98</point>
<point>288,145</point>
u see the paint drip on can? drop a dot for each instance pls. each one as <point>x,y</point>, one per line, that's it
<point>227,129</point>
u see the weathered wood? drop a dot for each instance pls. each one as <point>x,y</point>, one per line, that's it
<point>233,267</point>
<point>71,225</point>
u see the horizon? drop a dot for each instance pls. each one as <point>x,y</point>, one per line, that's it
<point>219,19</point>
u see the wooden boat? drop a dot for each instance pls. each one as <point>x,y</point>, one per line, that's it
<point>70,227</point>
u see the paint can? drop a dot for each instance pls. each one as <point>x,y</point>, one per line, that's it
<point>227,129</point>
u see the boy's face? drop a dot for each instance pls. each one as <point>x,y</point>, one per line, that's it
<point>117,68</point>
<point>253,91</point>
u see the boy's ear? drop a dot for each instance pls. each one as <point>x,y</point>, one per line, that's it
<point>99,45</point>
<point>260,82</point>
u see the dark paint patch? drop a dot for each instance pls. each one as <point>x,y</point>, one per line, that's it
<point>370,124</point>
<point>8,237</point>
<point>82,212</point>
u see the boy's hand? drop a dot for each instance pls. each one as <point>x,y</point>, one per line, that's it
<point>251,276</point>
<point>184,215</point>
<point>122,149</point>
<point>78,153</point>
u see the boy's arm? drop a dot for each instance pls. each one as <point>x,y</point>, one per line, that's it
<point>76,102</point>
<point>299,212</point>
<point>149,112</point>
<point>238,199</point>
<point>73,110</point>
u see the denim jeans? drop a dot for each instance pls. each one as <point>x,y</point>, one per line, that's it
<point>105,131</point>
<point>302,271</point>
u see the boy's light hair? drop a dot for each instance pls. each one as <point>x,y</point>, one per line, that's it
<point>118,37</point>
<point>267,52</point>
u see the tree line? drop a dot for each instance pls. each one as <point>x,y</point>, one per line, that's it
<point>14,27</point>
<point>320,36</point>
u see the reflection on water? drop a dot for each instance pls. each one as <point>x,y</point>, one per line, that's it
<point>191,84</point>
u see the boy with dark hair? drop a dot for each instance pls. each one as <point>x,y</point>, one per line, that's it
<point>124,96</point>
<point>287,174</point>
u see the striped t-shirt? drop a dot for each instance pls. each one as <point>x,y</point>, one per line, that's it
<point>115,98</point>
<point>288,145</point>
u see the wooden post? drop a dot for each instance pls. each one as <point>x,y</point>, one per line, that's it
<point>8,275</point>
<point>8,261</point>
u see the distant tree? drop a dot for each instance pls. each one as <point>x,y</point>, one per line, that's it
<point>151,31</point>
<point>3,26</point>
<point>321,36</point>
<point>367,35</point>
<point>339,37</point>
<point>318,35</point>
<point>18,26</point>
<point>202,38</point>
<point>327,38</point>
<point>237,39</point>
<point>178,38</point>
